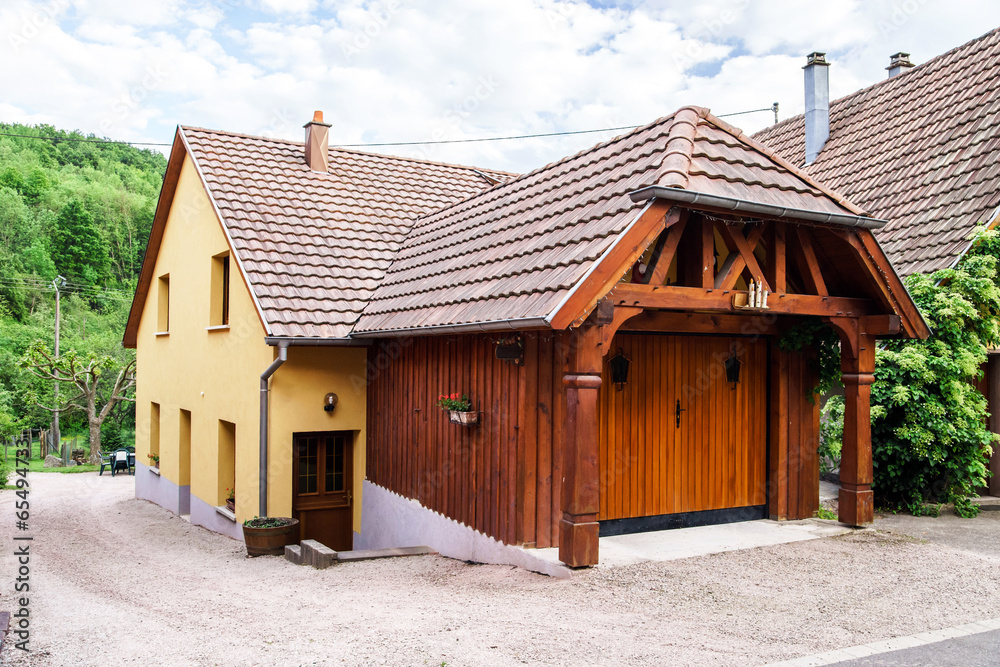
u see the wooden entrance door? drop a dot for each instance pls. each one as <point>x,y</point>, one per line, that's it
<point>323,495</point>
<point>679,438</point>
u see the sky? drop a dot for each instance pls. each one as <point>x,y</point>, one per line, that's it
<point>429,70</point>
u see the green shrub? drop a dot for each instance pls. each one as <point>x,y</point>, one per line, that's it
<point>831,433</point>
<point>929,435</point>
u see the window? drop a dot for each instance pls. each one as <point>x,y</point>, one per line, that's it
<point>227,460</point>
<point>163,305</point>
<point>154,432</point>
<point>219,303</point>
<point>184,448</point>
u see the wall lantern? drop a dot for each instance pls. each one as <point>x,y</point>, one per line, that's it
<point>619,370</point>
<point>732,368</point>
<point>329,402</point>
<point>511,350</point>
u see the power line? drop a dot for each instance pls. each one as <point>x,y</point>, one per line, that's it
<point>397,143</point>
<point>84,141</point>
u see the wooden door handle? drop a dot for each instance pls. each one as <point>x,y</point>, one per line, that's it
<point>677,412</point>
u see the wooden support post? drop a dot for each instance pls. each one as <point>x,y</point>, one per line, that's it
<point>857,507</point>
<point>578,529</point>
<point>993,397</point>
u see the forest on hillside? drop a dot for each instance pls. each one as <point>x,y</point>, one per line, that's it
<point>74,206</point>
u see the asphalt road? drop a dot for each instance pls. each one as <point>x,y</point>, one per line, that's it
<point>982,650</point>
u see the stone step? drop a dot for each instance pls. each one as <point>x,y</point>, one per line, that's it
<point>317,555</point>
<point>293,553</point>
<point>987,503</point>
<point>354,556</point>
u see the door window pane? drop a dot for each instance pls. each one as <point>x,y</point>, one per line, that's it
<point>335,464</point>
<point>308,461</point>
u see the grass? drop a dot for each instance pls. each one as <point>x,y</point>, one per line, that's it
<point>35,464</point>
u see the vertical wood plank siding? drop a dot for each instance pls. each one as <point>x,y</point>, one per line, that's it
<point>794,483</point>
<point>500,477</point>
<point>503,476</point>
<point>715,458</point>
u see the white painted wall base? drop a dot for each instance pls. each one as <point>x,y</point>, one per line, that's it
<point>390,520</point>
<point>203,514</point>
<point>178,499</point>
<point>160,490</point>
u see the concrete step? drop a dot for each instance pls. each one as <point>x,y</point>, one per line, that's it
<point>293,553</point>
<point>353,556</point>
<point>318,555</point>
<point>987,503</point>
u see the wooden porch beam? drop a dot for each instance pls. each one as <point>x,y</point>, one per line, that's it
<point>913,322</point>
<point>666,248</point>
<point>671,297</point>
<point>702,323</point>
<point>741,253</point>
<point>629,247</point>
<point>776,257</point>
<point>808,264</point>
<point>578,528</point>
<point>857,364</point>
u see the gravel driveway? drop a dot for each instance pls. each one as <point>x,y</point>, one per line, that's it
<point>117,581</point>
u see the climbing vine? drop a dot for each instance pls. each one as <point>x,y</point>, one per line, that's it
<point>929,436</point>
<point>820,336</point>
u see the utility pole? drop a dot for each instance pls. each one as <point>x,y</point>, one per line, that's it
<point>56,435</point>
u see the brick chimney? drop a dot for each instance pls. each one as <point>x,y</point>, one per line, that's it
<point>899,63</point>
<point>318,143</point>
<point>817,104</point>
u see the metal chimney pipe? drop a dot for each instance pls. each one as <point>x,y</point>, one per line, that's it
<point>899,63</point>
<point>817,116</point>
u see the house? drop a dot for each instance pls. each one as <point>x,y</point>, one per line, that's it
<point>262,254</point>
<point>917,149</point>
<point>614,318</point>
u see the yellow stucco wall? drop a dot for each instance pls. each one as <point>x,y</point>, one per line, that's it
<point>215,374</point>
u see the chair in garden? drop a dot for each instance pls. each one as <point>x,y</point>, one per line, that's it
<point>120,460</point>
<point>105,462</point>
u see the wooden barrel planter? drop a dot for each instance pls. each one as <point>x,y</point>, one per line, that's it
<point>270,540</point>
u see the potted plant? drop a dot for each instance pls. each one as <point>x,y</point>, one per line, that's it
<point>154,461</point>
<point>268,536</point>
<point>459,409</point>
<point>231,499</point>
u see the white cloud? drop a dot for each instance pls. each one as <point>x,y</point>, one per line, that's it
<point>389,70</point>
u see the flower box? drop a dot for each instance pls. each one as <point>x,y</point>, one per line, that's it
<point>463,418</point>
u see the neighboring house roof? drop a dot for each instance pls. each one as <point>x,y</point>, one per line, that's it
<point>517,252</point>
<point>919,149</point>
<point>312,246</point>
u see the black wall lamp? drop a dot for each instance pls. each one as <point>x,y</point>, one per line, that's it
<point>329,402</point>
<point>619,370</point>
<point>733,365</point>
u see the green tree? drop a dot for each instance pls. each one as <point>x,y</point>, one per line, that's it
<point>77,249</point>
<point>100,382</point>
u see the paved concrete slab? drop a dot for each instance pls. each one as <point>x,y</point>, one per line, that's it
<point>371,554</point>
<point>667,545</point>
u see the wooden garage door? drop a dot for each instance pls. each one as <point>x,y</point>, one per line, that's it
<point>678,437</point>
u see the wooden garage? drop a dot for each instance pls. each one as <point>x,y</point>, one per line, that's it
<point>615,320</point>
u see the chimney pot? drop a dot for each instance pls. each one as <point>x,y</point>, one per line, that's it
<point>898,63</point>
<point>318,143</point>
<point>817,115</point>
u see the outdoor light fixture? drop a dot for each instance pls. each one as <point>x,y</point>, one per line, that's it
<point>329,402</point>
<point>732,365</point>
<point>511,350</point>
<point>619,370</point>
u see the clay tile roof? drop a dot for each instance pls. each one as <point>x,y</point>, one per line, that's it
<point>314,245</point>
<point>919,150</point>
<point>515,251</point>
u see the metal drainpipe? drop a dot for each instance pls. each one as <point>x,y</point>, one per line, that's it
<point>264,377</point>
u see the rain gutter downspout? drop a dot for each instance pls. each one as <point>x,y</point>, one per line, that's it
<point>264,377</point>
